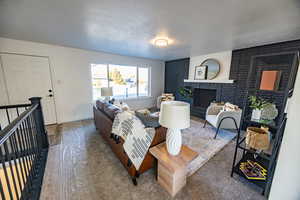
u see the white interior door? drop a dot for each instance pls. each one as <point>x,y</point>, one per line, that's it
<point>29,76</point>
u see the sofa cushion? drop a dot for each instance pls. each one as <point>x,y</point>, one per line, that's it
<point>100,104</point>
<point>148,119</point>
<point>111,110</point>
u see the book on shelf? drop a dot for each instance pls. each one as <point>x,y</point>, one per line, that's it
<point>253,170</point>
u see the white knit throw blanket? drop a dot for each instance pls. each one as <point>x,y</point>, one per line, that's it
<point>137,138</point>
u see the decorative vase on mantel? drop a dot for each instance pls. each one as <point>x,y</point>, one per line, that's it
<point>256,114</point>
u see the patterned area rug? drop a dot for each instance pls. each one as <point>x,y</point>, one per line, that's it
<point>201,140</point>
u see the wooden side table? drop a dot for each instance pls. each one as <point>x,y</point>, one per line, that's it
<point>172,170</point>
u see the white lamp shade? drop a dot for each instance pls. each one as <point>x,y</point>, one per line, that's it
<point>106,92</point>
<point>175,114</point>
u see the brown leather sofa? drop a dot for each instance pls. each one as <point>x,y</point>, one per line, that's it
<point>104,114</point>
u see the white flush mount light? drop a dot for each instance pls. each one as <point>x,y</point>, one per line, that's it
<point>161,42</point>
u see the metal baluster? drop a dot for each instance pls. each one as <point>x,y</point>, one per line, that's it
<point>17,166</point>
<point>1,190</point>
<point>8,156</point>
<point>35,132</point>
<point>34,137</point>
<point>20,158</point>
<point>18,111</point>
<point>30,148</point>
<point>31,130</point>
<point>26,154</point>
<point>7,115</point>
<point>6,174</point>
<point>31,157</point>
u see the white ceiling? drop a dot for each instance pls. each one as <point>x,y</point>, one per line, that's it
<point>126,27</point>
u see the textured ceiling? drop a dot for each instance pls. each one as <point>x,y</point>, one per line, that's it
<point>127,27</point>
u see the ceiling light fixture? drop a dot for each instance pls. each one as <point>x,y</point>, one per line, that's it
<point>161,42</point>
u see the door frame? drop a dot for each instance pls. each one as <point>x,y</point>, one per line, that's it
<point>50,73</point>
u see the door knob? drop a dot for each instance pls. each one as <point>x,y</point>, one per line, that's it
<point>50,95</point>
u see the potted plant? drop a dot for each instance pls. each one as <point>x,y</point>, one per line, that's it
<point>257,104</point>
<point>186,93</point>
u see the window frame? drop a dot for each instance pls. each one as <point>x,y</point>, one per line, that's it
<point>137,78</point>
<point>149,81</point>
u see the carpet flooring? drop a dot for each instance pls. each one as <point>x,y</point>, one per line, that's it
<point>82,166</point>
<point>202,141</point>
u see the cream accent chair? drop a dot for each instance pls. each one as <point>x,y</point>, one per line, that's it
<point>221,119</point>
<point>164,97</point>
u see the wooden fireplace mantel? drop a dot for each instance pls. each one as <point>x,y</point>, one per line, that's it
<point>207,81</point>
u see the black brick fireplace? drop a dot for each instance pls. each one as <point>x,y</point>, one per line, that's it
<point>178,70</point>
<point>203,97</point>
<point>205,93</point>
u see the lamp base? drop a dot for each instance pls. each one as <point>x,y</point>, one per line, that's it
<point>173,141</point>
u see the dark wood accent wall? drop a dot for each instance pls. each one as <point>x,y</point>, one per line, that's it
<point>177,70</point>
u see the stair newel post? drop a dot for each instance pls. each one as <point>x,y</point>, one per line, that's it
<point>39,122</point>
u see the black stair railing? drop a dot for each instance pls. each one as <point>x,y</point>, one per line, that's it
<point>23,152</point>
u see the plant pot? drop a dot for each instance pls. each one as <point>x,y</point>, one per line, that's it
<point>256,114</point>
<point>257,138</point>
<point>269,112</point>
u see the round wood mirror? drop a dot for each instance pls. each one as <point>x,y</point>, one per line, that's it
<point>212,67</point>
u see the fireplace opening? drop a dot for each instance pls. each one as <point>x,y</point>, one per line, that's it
<point>203,97</point>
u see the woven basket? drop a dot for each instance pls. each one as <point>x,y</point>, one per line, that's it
<point>257,138</point>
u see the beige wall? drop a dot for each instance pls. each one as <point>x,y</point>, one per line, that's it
<point>286,183</point>
<point>3,98</point>
<point>224,59</point>
<point>71,75</point>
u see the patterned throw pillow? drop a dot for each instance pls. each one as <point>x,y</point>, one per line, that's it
<point>123,106</point>
<point>111,110</point>
<point>230,107</point>
<point>100,104</point>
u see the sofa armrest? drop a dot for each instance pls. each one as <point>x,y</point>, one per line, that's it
<point>160,136</point>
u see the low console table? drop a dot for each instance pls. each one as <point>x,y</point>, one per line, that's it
<point>172,170</point>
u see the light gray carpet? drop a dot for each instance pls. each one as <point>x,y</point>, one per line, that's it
<point>82,166</point>
<point>202,141</point>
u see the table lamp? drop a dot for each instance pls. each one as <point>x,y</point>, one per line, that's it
<point>174,115</point>
<point>107,92</point>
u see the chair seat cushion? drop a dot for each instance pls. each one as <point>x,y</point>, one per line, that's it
<point>212,119</point>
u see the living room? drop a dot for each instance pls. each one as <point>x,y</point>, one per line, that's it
<point>139,102</point>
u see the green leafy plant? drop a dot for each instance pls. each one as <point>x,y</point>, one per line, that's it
<point>185,92</point>
<point>257,102</point>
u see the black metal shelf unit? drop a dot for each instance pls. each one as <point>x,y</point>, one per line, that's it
<point>287,63</point>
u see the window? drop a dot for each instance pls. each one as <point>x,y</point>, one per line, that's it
<point>123,80</point>
<point>99,79</point>
<point>143,81</point>
<point>126,81</point>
